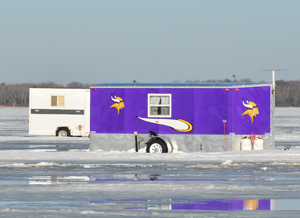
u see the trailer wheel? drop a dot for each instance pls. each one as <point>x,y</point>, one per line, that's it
<point>63,132</point>
<point>157,146</point>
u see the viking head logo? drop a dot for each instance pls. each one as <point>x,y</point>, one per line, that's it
<point>119,103</point>
<point>252,110</point>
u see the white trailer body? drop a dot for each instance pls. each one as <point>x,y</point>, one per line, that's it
<point>59,111</point>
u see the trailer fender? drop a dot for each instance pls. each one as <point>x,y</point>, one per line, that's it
<point>165,140</point>
<point>174,143</point>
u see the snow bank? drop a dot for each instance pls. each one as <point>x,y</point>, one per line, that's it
<point>219,158</point>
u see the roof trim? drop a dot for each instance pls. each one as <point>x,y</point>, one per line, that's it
<point>177,85</point>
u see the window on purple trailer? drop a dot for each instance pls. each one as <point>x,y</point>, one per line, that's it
<point>159,105</point>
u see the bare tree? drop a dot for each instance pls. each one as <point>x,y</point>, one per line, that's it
<point>77,85</point>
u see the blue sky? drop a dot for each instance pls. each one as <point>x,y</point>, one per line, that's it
<point>148,41</point>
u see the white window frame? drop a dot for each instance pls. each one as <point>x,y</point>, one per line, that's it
<point>160,105</point>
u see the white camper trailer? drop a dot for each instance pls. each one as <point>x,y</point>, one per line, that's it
<point>58,111</point>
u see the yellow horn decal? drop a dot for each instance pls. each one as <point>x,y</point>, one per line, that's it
<point>186,122</point>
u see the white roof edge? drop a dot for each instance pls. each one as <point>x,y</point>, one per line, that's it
<point>189,87</point>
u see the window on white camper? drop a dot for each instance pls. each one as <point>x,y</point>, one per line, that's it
<point>58,101</point>
<point>61,101</point>
<point>53,100</point>
<point>159,105</point>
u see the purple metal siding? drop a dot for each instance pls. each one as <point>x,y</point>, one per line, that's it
<point>204,108</point>
<point>242,124</point>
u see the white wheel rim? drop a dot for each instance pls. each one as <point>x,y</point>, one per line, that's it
<point>62,133</point>
<point>155,148</point>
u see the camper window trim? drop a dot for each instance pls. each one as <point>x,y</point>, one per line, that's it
<point>169,105</point>
<point>56,102</point>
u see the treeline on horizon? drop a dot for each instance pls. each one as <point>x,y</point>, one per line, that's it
<point>287,92</point>
<point>18,94</point>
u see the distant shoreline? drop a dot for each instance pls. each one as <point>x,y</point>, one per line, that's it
<point>3,106</point>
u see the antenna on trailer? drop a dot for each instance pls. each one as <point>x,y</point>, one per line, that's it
<point>273,76</point>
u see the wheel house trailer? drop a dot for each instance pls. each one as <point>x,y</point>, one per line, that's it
<point>180,116</point>
<point>58,111</point>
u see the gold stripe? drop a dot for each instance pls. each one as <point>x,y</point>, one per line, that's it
<point>186,122</point>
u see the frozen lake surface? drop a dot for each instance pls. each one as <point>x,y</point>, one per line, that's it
<point>45,176</point>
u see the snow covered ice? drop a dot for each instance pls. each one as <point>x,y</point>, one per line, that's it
<point>47,176</point>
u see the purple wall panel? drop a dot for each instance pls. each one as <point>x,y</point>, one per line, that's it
<point>204,108</point>
<point>103,118</point>
<point>261,123</point>
<point>211,108</point>
<point>137,106</point>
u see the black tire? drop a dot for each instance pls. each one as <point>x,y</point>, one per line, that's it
<point>63,132</point>
<point>157,146</point>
